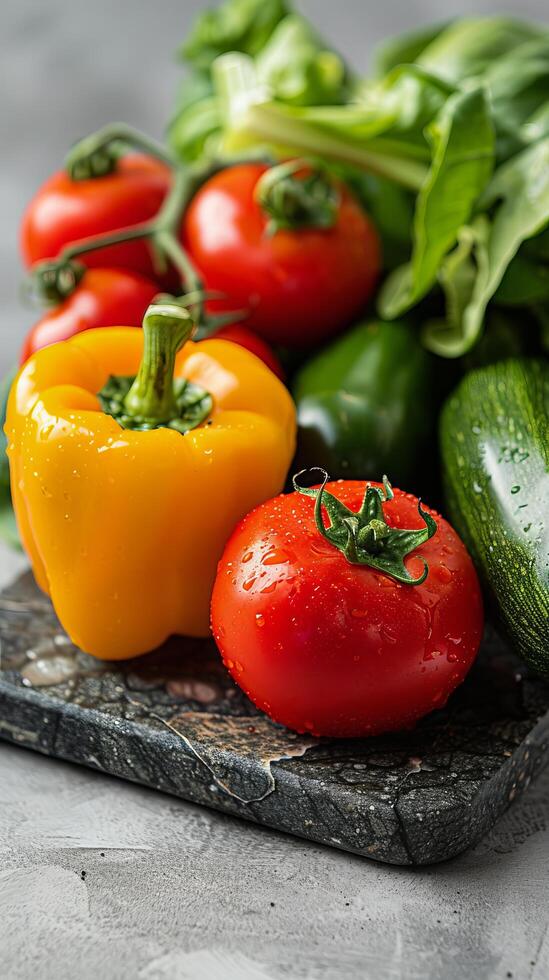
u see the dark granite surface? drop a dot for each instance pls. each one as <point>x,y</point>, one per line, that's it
<point>175,721</point>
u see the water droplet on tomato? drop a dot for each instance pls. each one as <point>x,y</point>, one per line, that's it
<point>268,588</point>
<point>277,556</point>
<point>442,574</point>
<point>229,664</point>
<point>358,613</point>
<point>432,654</point>
<point>248,556</point>
<point>259,619</point>
<point>248,584</point>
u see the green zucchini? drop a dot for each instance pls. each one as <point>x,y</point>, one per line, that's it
<point>495,456</point>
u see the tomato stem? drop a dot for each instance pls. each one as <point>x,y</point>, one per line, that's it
<point>97,155</point>
<point>297,200</point>
<point>53,282</point>
<point>180,259</point>
<point>90,244</point>
<point>364,537</point>
<point>162,232</point>
<point>56,279</point>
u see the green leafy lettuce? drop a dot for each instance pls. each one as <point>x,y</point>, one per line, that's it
<point>462,141</point>
<point>290,60</point>
<point>237,25</point>
<point>518,199</point>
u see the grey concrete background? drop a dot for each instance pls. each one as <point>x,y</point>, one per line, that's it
<point>98,877</point>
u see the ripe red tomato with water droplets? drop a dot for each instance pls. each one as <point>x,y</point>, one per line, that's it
<point>299,286</point>
<point>102,298</point>
<point>64,211</point>
<point>338,649</point>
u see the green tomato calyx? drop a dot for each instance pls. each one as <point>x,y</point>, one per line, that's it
<point>364,537</point>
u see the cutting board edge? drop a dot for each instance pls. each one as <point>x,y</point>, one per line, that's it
<point>51,714</point>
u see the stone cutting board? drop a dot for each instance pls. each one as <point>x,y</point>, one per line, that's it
<point>175,721</point>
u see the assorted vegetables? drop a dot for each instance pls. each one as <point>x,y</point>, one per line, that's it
<point>455,118</point>
<point>367,244</point>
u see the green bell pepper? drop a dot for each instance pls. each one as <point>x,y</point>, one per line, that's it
<point>366,405</point>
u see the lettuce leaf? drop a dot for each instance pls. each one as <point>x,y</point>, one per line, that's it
<point>236,25</point>
<point>462,140</point>
<point>403,49</point>
<point>290,61</point>
<point>470,45</point>
<point>518,200</point>
<point>299,69</point>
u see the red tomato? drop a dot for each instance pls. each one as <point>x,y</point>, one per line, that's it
<point>240,335</point>
<point>299,286</point>
<point>339,649</point>
<point>65,211</point>
<point>103,298</point>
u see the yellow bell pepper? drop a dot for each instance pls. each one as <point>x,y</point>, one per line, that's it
<point>133,454</point>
